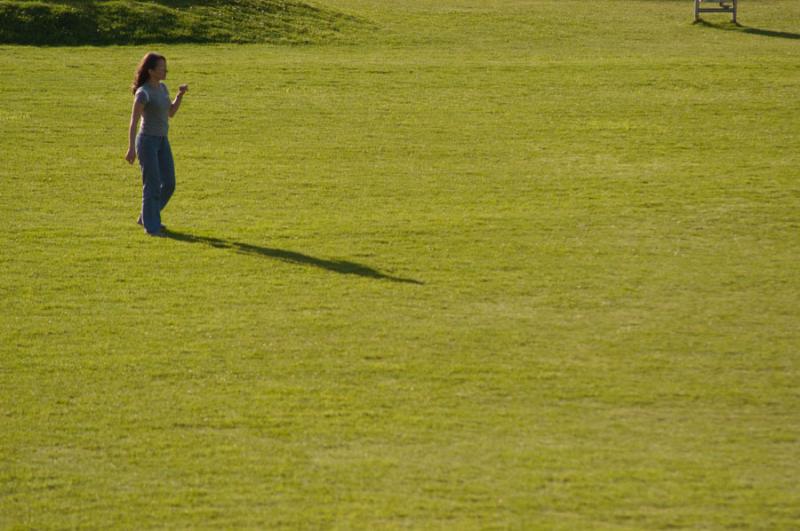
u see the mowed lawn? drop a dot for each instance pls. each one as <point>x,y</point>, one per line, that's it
<point>484,264</point>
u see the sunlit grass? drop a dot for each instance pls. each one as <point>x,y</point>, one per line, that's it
<point>500,264</point>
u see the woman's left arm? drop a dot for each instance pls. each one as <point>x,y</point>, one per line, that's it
<point>173,108</point>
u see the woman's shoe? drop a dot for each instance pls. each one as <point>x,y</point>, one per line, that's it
<point>139,222</point>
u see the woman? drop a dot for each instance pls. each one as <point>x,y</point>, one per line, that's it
<point>151,103</point>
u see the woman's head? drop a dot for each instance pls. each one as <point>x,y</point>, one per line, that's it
<point>152,65</point>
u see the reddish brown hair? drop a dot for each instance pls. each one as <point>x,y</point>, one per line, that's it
<point>148,62</point>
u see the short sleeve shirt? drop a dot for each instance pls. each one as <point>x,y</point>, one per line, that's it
<point>155,118</point>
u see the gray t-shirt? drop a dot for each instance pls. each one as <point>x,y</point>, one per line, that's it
<point>155,118</point>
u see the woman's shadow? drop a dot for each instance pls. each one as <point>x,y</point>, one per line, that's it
<point>343,267</point>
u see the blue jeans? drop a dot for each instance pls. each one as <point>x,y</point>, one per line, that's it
<point>158,178</point>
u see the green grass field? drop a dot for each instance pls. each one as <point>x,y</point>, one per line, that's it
<point>473,264</point>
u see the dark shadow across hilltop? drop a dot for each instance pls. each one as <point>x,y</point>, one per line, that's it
<point>268,6</point>
<point>343,267</point>
<point>96,22</point>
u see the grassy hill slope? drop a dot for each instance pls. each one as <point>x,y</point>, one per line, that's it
<point>132,21</point>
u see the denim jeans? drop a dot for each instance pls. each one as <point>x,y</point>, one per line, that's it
<point>158,178</point>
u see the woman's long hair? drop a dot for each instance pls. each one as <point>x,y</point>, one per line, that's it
<point>148,62</point>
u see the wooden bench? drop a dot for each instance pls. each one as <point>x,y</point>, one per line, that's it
<point>725,6</point>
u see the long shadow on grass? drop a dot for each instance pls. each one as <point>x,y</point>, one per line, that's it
<point>730,26</point>
<point>343,267</point>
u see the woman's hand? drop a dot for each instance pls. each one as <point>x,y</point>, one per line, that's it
<point>130,156</point>
<point>183,89</point>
